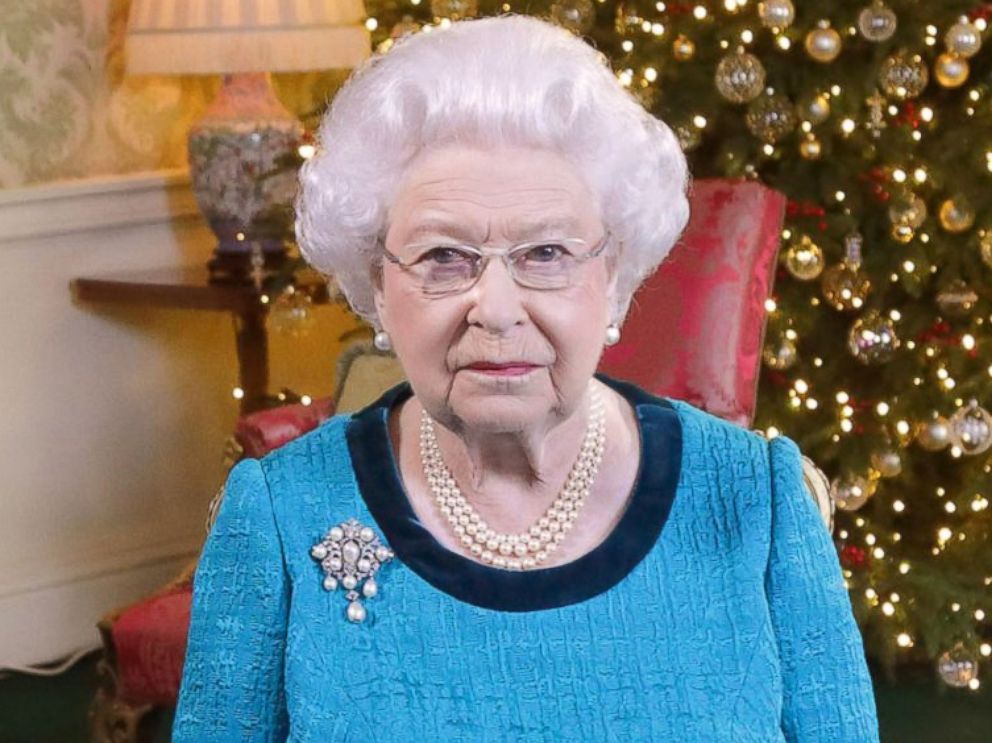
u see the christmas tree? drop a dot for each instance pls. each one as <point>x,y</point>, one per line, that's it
<point>875,119</point>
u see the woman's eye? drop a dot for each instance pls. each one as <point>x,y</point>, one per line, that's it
<point>446,256</point>
<point>545,253</point>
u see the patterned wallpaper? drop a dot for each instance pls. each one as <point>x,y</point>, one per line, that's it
<point>67,109</point>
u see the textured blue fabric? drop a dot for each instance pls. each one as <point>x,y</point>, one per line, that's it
<point>736,625</point>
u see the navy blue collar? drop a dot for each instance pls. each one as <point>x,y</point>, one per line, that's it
<point>639,528</point>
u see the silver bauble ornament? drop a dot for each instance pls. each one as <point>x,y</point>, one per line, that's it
<point>958,666</point>
<point>957,299</point>
<point>887,462</point>
<point>740,76</point>
<point>908,209</point>
<point>851,491</point>
<point>934,434</point>
<point>771,118</point>
<point>575,15</point>
<point>776,13</point>
<point>781,355</point>
<point>971,428</point>
<point>903,76</point>
<point>877,22</point>
<point>872,338</point>
<point>963,38</point>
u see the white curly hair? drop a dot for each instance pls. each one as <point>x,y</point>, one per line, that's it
<point>508,80</point>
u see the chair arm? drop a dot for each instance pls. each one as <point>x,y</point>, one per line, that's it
<point>261,432</point>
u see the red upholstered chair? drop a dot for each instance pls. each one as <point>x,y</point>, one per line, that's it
<point>696,327</point>
<point>694,332</point>
<point>145,643</point>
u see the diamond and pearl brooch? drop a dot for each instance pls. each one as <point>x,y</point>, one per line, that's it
<point>350,554</point>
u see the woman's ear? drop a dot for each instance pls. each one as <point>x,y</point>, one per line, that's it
<point>613,280</point>
<point>378,297</point>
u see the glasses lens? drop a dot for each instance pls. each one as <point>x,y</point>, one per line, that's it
<point>445,269</point>
<point>547,265</point>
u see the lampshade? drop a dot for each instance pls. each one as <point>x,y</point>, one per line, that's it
<point>231,36</point>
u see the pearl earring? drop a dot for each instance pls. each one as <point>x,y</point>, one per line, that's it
<point>612,335</point>
<point>382,341</point>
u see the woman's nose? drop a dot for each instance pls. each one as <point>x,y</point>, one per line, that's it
<point>496,299</point>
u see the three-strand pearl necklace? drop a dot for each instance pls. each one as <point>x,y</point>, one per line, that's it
<point>530,548</point>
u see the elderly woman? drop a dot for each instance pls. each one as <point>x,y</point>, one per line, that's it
<point>510,547</point>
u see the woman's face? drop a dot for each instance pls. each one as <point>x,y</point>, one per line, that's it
<point>495,199</point>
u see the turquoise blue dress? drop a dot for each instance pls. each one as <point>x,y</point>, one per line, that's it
<point>714,611</point>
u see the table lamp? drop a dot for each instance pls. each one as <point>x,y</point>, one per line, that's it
<point>243,151</point>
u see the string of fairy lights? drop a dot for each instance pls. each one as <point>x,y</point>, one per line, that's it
<point>878,562</point>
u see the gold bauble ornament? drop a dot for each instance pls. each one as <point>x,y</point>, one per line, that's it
<point>845,287</point>
<point>958,667</point>
<point>776,13</point>
<point>877,22</point>
<point>934,434</point>
<point>804,259</point>
<point>780,356</point>
<point>815,108</point>
<point>951,70</point>
<point>771,117</point>
<point>903,233</point>
<point>872,338</point>
<point>956,214</point>
<point>908,209</point>
<point>964,39</point>
<point>887,462</point>
<point>903,76</point>
<point>971,428</point>
<point>291,314</point>
<point>740,76</point>
<point>851,491</point>
<point>810,147</point>
<point>823,43</point>
<point>683,48</point>
<point>455,9</point>
<point>957,299</point>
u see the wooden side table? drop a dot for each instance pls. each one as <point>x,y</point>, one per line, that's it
<point>189,289</point>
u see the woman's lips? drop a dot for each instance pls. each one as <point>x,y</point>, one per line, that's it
<point>511,369</point>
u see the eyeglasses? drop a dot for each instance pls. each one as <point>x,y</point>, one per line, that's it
<point>443,268</point>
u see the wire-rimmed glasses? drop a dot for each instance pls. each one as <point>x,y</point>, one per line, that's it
<point>444,268</point>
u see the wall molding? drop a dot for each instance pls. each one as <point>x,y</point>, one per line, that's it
<point>100,203</point>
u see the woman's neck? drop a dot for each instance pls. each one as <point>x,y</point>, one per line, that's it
<point>512,478</point>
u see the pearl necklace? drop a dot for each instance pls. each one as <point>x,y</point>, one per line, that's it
<point>532,547</point>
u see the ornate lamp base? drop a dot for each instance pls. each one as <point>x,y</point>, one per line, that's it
<point>243,160</point>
